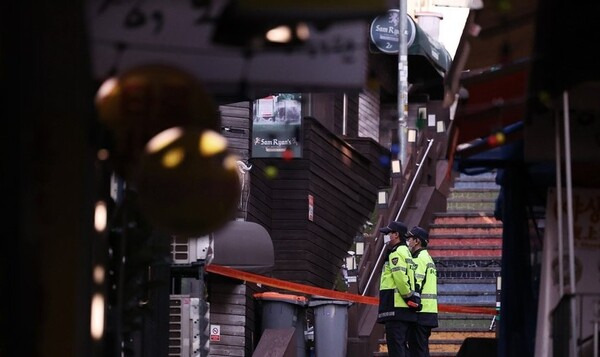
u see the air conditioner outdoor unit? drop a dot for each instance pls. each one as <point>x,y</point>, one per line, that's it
<point>184,326</point>
<point>188,250</point>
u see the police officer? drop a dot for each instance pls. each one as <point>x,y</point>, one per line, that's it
<point>426,287</point>
<point>397,299</point>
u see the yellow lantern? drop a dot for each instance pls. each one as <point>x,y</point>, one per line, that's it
<point>188,183</point>
<point>146,100</point>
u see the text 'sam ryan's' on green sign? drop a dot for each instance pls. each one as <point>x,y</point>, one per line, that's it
<point>277,126</point>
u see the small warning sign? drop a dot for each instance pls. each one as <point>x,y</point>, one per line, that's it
<point>215,332</point>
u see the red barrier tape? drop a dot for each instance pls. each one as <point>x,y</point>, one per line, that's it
<point>331,294</point>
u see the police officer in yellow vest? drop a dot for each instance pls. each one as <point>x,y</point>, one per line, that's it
<point>426,286</point>
<point>397,299</point>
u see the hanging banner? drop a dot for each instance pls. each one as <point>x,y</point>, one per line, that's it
<point>277,126</point>
<point>127,34</point>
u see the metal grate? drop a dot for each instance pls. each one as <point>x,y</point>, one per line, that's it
<point>179,326</point>
<point>180,250</point>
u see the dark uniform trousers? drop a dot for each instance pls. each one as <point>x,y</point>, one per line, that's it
<point>418,340</point>
<point>395,336</point>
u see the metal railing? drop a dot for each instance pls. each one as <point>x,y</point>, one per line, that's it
<point>406,196</point>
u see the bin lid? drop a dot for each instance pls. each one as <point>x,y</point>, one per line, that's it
<point>318,301</point>
<point>289,298</point>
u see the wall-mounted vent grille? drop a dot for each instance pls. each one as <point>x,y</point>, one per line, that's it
<point>184,322</point>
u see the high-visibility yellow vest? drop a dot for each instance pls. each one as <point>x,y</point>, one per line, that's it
<point>426,283</point>
<point>396,283</point>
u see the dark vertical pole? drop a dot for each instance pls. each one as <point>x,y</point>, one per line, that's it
<point>46,74</point>
<point>156,326</point>
<point>517,328</point>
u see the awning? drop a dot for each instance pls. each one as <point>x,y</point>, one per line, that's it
<point>245,246</point>
<point>424,45</point>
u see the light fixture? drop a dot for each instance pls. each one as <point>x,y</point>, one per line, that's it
<point>396,168</point>
<point>351,261</point>
<point>360,248</point>
<point>412,135</point>
<point>382,197</point>
<point>279,34</point>
<point>440,127</point>
<point>100,216</point>
<point>97,317</point>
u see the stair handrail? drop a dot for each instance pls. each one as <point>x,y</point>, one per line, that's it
<point>408,192</point>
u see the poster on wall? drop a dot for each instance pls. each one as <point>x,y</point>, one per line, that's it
<point>586,241</point>
<point>277,126</point>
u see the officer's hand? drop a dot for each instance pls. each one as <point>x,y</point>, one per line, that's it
<point>414,302</point>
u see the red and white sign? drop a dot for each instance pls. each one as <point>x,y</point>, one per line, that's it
<point>215,333</point>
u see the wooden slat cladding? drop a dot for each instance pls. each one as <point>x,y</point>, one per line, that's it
<point>344,185</point>
<point>233,308</point>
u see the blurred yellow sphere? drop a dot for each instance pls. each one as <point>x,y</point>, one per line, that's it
<point>500,138</point>
<point>146,100</point>
<point>271,172</point>
<point>188,183</point>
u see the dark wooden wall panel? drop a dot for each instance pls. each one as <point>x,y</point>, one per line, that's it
<point>344,186</point>
<point>352,110</point>
<point>233,307</point>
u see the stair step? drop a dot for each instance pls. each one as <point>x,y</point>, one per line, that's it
<point>466,300</point>
<point>490,175</point>
<point>457,235</point>
<point>459,316</point>
<point>470,205</point>
<point>459,243</point>
<point>474,193</point>
<point>462,274</point>
<point>457,239</point>
<point>482,324</point>
<point>465,225</point>
<point>465,281</point>
<point>446,287</point>
<point>444,347</point>
<point>460,268</point>
<point>465,251</point>
<point>461,330</point>
<point>476,184</point>
<point>465,230</point>
<point>467,262</point>
<point>464,218</point>
<point>440,334</point>
<point>479,292</point>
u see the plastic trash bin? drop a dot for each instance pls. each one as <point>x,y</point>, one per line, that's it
<point>285,310</point>
<point>331,326</point>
